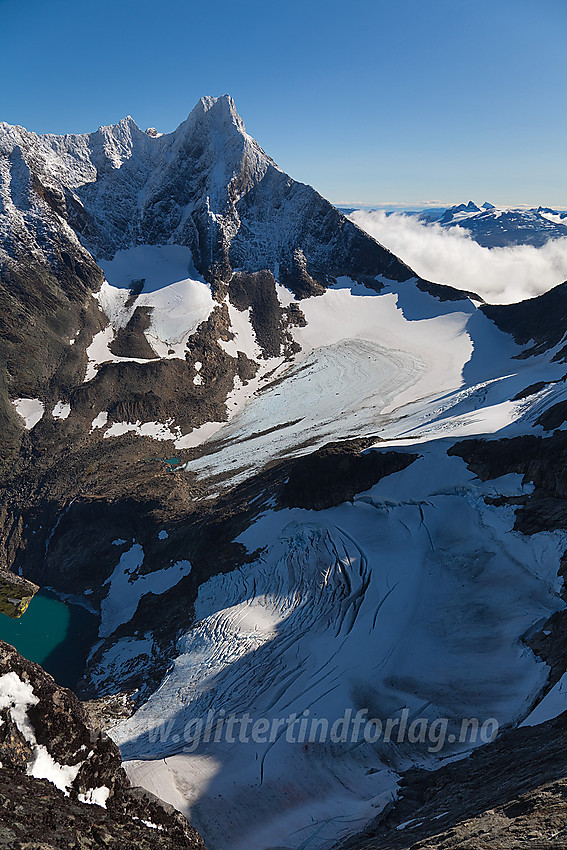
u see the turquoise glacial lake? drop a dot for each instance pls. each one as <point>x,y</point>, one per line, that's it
<point>55,634</point>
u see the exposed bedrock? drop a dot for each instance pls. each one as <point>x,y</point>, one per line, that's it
<point>541,460</point>
<point>540,321</point>
<point>509,795</point>
<point>61,784</point>
<point>16,593</point>
<point>335,473</point>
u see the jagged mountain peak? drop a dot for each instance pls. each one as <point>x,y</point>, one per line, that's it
<point>127,121</point>
<point>215,121</point>
<point>215,124</point>
<point>220,109</point>
<point>207,185</point>
<point>218,113</point>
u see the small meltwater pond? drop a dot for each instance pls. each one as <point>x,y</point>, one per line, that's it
<point>55,634</point>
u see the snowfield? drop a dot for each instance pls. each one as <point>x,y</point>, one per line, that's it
<point>372,365</point>
<point>177,298</point>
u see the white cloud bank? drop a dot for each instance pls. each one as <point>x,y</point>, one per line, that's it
<point>451,256</point>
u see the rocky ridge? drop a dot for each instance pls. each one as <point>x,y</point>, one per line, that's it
<point>71,774</point>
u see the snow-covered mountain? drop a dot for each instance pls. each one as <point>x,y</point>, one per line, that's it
<point>207,186</point>
<point>498,226</point>
<point>291,478</point>
<point>193,205</point>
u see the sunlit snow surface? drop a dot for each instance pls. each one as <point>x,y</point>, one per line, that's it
<point>370,365</point>
<point>414,596</point>
<point>178,299</point>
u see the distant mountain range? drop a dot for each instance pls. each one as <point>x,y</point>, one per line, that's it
<point>495,226</point>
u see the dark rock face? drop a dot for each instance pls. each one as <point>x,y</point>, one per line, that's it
<point>298,280</point>
<point>553,417</point>
<point>34,810</point>
<point>540,321</point>
<point>130,340</point>
<point>324,242</point>
<point>531,390</point>
<point>34,815</point>
<point>445,293</point>
<point>541,460</point>
<point>257,292</point>
<point>335,473</point>
<point>41,307</point>
<point>504,796</point>
<point>550,642</point>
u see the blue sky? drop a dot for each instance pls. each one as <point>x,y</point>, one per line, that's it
<point>370,101</point>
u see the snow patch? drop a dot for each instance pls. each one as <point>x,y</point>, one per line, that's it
<point>99,421</point>
<point>31,411</point>
<point>61,410</point>
<point>96,796</point>
<point>155,430</point>
<point>17,696</point>
<point>244,336</point>
<point>128,585</point>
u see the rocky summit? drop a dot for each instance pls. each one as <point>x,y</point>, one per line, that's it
<point>315,503</point>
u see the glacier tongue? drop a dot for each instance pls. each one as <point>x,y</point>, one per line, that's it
<point>412,597</point>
